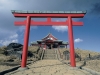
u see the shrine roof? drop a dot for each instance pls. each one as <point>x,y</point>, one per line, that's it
<point>49,36</point>
<point>58,41</point>
<point>34,43</point>
<point>65,43</point>
<point>54,41</point>
<point>48,12</point>
<point>40,40</point>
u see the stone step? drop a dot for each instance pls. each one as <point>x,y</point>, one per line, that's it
<point>49,50</point>
<point>49,58</point>
<point>50,54</point>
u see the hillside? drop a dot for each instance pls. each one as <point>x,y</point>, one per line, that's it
<point>92,58</point>
<point>83,53</point>
<point>93,62</point>
<point>7,62</point>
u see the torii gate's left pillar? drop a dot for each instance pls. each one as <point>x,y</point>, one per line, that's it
<point>25,47</point>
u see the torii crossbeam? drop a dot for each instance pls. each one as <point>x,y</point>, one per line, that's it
<point>47,14</point>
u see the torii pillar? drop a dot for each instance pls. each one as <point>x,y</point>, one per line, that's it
<point>26,39</point>
<point>71,42</point>
<point>48,15</point>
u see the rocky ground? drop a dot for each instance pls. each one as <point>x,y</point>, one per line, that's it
<point>7,62</point>
<point>49,67</point>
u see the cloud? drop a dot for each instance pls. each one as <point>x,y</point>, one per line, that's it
<point>9,39</point>
<point>78,40</point>
<point>60,28</point>
<point>15,40</point>
<point>7,28</point>
<point>5,3</point>
<point>22,28</point>
<point>6,42</point>
<point>1,41</point>
<point>13,36</point>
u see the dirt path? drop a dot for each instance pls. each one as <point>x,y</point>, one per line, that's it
<point>49,67</point>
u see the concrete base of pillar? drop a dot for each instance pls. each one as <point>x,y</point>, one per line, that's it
<point>23,68</point>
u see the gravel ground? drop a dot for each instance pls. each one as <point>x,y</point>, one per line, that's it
<point>4,67</point>
<point>49,67</point>
<point>93,64</point>
<point>7,62</point>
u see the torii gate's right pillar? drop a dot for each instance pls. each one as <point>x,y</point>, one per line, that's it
<point>71,42</point>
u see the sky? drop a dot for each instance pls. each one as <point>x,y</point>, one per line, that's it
<point>86,37</point>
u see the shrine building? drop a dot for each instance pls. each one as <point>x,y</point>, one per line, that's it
<point>50,42</point>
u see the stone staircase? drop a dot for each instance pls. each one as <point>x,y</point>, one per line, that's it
<point>50,54</point>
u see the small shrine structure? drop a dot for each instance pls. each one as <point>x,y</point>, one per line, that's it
<point>49,42</point>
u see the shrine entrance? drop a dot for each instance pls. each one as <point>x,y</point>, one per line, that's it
<point>49,46</point>
<point>47,14</point>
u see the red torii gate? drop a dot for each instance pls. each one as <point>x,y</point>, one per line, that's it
<point>48,15</point>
